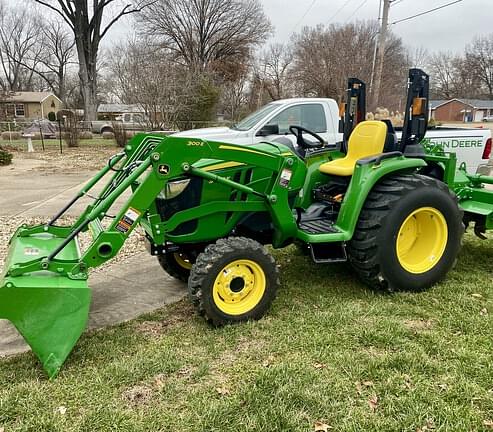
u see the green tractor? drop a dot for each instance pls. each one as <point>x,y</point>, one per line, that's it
<point>208,209</point>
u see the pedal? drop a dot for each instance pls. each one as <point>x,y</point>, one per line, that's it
<point>323,253</point>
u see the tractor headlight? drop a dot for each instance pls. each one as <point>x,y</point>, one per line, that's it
<point>175,188</point>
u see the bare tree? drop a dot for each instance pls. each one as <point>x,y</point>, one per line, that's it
<point>207,34</point>
<point>85,18</point>
<point>234,97</point>
<point>479,55</point>
<point>418,57</point>
<point>324,57</point>
<point>19,46</point>
<point>57,53</point>
<point>144,74</point>
<point>451,76</point>
<point>274,70</point>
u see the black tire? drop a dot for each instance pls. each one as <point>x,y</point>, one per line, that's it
<point>213,263</point>
<point>373,249</point>
<point>174,264</point>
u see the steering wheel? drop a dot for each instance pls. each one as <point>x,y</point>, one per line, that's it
<point>297,131</point>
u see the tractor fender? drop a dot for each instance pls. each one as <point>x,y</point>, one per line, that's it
<point>365,177</point>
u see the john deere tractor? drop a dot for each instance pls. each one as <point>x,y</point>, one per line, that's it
<point>208,209</point>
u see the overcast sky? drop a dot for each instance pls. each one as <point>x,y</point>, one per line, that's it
<point>449,29</point>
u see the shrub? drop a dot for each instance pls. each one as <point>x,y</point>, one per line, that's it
<point>6,136</point>
<point>108,135</point>
<point>72,131</point>
<point>85,135</point>
<point>5,157</point>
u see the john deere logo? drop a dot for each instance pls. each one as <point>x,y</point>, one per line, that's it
<point>163,169</point>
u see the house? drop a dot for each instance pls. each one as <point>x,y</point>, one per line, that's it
<point>461,110</point>
<point>111,111</point>
<point>30,105</point>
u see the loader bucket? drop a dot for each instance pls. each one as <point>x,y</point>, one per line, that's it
<point>49,310</point>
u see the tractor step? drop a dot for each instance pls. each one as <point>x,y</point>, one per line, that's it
<point>318,226</point>
<point>323,253</point>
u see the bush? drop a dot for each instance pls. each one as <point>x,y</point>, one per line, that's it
<point>72,131</point>
<point>120,134</point>
<point>85,135</point>
<point>6,136</point>
<point>5,157</point>
<point>108,135</point>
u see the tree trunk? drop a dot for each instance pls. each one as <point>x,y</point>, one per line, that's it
<point>88,78</point>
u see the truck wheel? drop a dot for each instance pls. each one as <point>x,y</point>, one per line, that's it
<point>408,234</point>
<point>233,280</point>
<point>177,264</point>
<point>106,129</point>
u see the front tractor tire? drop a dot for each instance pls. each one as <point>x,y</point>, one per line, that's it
<point>233,280</point>
<point>408,234</point>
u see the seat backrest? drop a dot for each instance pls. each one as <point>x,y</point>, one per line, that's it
<point>392,142</point>
<point>367,139</point>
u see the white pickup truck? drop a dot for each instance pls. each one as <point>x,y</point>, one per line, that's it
<point>472,146</point>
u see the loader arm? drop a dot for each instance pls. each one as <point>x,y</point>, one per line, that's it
<point>44,290</point>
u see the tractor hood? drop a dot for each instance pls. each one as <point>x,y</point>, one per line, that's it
<point>212,134</point>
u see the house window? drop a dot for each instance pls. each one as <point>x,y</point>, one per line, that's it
<point>19,110</point>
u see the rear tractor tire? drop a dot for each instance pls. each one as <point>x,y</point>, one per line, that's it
<point>408,234</point>
<point>233,280</point>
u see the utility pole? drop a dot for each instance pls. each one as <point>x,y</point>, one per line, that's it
<point>382,40</point>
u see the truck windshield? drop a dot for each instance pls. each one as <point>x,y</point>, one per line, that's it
<point>251,120</point>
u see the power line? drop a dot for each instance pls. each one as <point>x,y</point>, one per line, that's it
<point>357,9</point>
<point>304,16</point>
<point>338,10</point>
<point>427,12</point>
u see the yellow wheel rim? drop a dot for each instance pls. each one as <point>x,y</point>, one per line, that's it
<point>182,260</point>
<point>239,287</point>
<point>422,240</point>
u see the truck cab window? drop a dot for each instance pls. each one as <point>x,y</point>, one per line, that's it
<point>309,116</point>
<point>126,118</point>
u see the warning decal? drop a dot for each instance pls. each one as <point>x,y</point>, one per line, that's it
<point>285,177</point>
<point>128,219</point>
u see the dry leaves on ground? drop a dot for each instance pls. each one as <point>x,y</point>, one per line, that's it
<point>223,391</point>
<point>321,427</point>
<point>373,403</point>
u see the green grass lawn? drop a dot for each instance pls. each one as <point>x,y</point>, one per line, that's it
<point>330,351</point>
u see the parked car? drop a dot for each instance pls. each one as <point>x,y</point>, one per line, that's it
<point>129,121</point>
<point>488,118</point>
<point>472,145</point>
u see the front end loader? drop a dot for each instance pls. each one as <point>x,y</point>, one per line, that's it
<point>208,209</point>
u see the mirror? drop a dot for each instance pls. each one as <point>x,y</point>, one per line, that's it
<point>269,129</point>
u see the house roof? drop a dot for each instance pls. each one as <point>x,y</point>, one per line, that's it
<point>475,103</point>
<point>38,97</point>
<point>120,108</point>
<point>437,103</point>
<point>479,103</point>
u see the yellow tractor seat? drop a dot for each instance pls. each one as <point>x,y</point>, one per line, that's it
<point>368,139</point>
